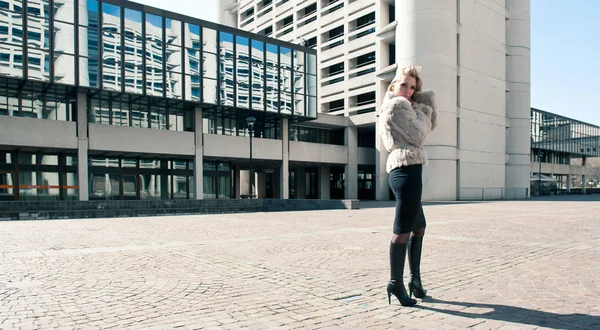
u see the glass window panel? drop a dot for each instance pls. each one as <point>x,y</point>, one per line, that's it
<point>192,36</point>
<point>64,69</point>
<point>129,163</point>
<point>12,31</point>
<point>7,185</point>
<point>243,72</point>
<point>133,20</point>
<point>150,163</point>
<point>286,103</point>
<point>209,67</point>
<point>61,111</point>
<point>71,160</point>
<point>88,13</point>
<point>111,74</point>
<point>88,42</point>
<point>286,81</point>
<point>312,85</point>
<point>192,85</point>
<point>38,65</point>
<point>258,82</point>
<point>312,64</point>
<point>312,107</point>
<point>103,162</point>
<point>11,61</point>
<point>40,8</point>
<point>285,58</point>
<point>64,35</point>
<point>88,72</point>
<point>299,105</point>
<point>120,113</point>
<point>226,66</point>
<point>209,186</point>
<point>154,56</point>
<point>179,186</point>
<point>299,83</point>
<point>173,54</point>
<point>174,85</point>
<point>111,18</point>
<point>209,92</point>
<point>64,10</point>
<point>39,186</point>
<point>104,186</point>
<point>298,61</point>
<point>38,34</point>
<point>150,186</point>
<point>193,61</point>
<point>209,39</point>
<point>137,116</point>
<point>6,157</point>
<point>32,105</point>
<point>71,186</point>
<point>173,32</point>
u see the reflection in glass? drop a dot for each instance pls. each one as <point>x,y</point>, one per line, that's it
<point>209,65</point>
<point>299,86</point>
<point>154,56</point>
<point>298,61</point>
<point>64,10</point>
<point>192,36</point>
<point>312,107</point>
<point>88,42</point>
<point>242,72</point>
<point>88,13</point>
<point>7,185</point>
<point>39,186</point>
<point>312,64</point>
<point>134,41</point>
<point>226,59</point>
<point>40,8</point>
<point>12,28</point>
<point>64,69</point>
<point>312,85</point>
<point>209,39</point>
<point>179,183</point>
<point>129,187</point>
<point>11,61</point>
<point>149,186</point>
<point>111,18</point>
<point>258,80</point>
<point>104,186</point>
<point>299,105</point>
<point>272,83</point>
<point>32,104</point>
<point>209,92</point>
<point>88,72</point>
<point>173,43</point>
<point>71,186</point>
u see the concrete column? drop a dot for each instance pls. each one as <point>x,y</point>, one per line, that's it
<point>518,91</point>
<point>82,147</point>
<point>199,156</point>
<point>284,174</point>
<point>324,182</point>
<point>568,183</point>
<point>351,182</point>
<point>426,35</point>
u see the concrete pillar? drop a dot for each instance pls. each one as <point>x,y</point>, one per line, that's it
<point>82,147</point>
<point>284,173</point>
<point>518,91</point>
<point>324,182</point>
<point>351,182</point>
<point>199,155</point>
<point>568,183</point>
<point>382,187</point>
<point>426,35</point>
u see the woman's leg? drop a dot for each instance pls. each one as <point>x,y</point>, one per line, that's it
<point>415,248</point>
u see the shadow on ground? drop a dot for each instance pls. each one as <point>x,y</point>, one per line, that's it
<point>518,315</point>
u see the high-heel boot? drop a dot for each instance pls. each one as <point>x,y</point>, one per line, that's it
<point>396,285</point>
<point>415,246</point>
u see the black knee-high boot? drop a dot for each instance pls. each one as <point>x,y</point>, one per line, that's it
<point>396,285</point>
<point>415,246</point>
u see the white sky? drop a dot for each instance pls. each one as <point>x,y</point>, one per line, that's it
<point>203,9</point>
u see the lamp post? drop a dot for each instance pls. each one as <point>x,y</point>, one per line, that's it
<point>540,154</point>
<point>250,120</point>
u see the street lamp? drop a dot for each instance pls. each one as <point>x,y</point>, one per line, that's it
<point>540,154</point>
<point>250,120</point>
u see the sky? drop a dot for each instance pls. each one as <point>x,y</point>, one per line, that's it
<point>565,52</point>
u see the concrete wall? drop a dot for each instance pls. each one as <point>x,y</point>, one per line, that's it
<point>319,153</point>
<point>32,132</point>
<point>239,147</point>
<point>132,139</point>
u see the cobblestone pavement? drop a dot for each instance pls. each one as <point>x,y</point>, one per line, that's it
<point>496,265</point>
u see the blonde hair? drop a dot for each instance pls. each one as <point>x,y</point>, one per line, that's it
<point>410,71</point>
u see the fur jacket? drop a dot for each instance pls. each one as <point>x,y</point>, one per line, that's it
<point>404,128</point>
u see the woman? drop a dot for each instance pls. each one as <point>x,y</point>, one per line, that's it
<point>407,117</point>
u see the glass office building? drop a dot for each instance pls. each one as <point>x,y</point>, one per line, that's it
<point>555,142</point>
<point>85,64</point>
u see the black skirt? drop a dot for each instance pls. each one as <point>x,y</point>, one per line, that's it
<point>407,184</point>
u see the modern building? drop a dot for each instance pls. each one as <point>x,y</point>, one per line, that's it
<point>474,54</point>
<point>555,142</point>
<point>113,100</point>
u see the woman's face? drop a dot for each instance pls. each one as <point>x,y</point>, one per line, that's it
<point>406,87</point>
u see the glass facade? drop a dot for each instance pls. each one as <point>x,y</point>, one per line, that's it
<point>38,176</point>
<point>559,138</point>
<point>121,178</point>
<point>116,46</point>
